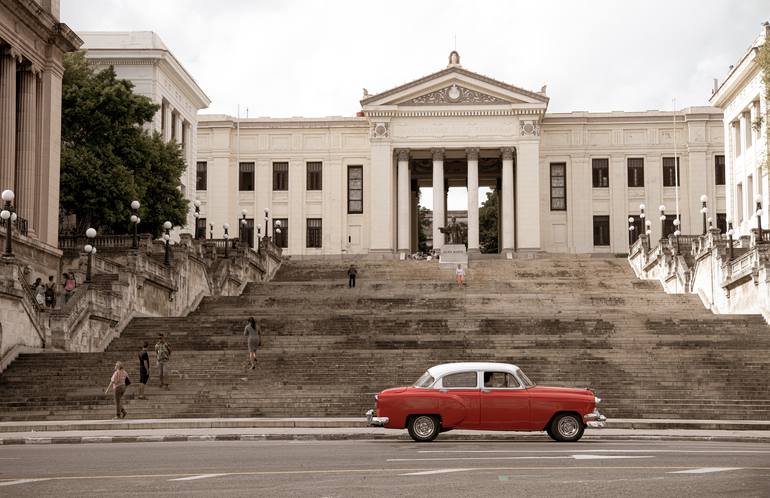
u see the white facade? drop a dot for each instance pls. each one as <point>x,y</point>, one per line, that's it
<point>142,58</point>
<point>458,128</point>
<point>742,97</point>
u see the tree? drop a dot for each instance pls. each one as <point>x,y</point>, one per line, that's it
<point>108,159</point>
<point>488,224</point>
<point>424,215</point>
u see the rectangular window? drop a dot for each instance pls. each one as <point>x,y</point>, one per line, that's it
<point>281,232</point>
<point>314,234</point>
<point>668,225</point>
<point>601,172</point>
<point>638,229</point>
<point>722,222</point>
<point>247,232</point>
<point>355,189</point>
<point>246,177</point>
<point>201,175</point>
<point>601,230</point>
<point>200,228</point>
<point>558,187</point>
<point>460,380</point>
<point>636,172</point>
<point>280,176</point>
<point>500,380</point>
<point>719,170</point>
<point>671,176</point>
<point>314,175</point>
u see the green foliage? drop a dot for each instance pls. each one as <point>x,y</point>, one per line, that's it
<point>108,159</point>
<point>488,224</point>
<point>423,228</point>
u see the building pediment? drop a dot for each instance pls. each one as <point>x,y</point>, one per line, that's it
<point>455,86</point>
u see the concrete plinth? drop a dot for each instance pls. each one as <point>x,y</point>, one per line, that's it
<point>452,255</point>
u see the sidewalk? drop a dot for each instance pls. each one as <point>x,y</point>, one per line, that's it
<point>325,429</point>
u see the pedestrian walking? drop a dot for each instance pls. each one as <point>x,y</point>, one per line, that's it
<point>352,272</point>
<point>39,291</point>
<point>459,275</point>
<point>163,354</point>
<point>50,293</point>
<point>118,383</point>
<point>69,286</point>
<point>144,369</point>
<point>252,331</point>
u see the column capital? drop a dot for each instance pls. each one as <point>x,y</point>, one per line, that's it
<point>402,154</point>
<point>438,153</point>
<point>472,153</point>
<point>13,52</point>
<point>507,153</point>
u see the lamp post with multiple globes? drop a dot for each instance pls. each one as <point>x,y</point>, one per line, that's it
<point>89,249</point>
<point>226,227</point>
<point>135,222</point>
<point>704,210</point>
<point>8,215</point>
<point>167,238</point>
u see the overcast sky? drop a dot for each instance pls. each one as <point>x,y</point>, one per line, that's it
<point>312,58</point>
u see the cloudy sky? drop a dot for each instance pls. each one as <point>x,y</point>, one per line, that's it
<point>312,58</point>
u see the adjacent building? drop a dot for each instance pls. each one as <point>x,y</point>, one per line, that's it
<point>566,182</point>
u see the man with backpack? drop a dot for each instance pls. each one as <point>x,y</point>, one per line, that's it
<point>50,293</point>
<point>163,354</point>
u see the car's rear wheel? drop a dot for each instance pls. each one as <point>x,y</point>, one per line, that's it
<point>424,428</point>
<point>566,427</point>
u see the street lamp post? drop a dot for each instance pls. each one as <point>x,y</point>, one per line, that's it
<point>648,228</point>
<point>704,210</point>
<point>710,222</point>
<point>211,230</point>
<point>242,235</point>
<point>730,233</point>
<point>677,233</point>
<point>226,226</point>
<point>197,216</point>
<point>758,201</point>
<point>267,222</point>
<point>642,216</point>
<point>259,236</point>
<point>135,221</point>
<point>630,230</point>
<point>662,210</point>
<point>8,214</point>
<point>167,237</point>
<point>277,227</point>
<point>90,250</point>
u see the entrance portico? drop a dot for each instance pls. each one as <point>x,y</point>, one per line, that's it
<point>455,128</point>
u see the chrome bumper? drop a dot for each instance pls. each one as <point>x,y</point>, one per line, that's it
<point>595,420</point>
<point>376,421</point>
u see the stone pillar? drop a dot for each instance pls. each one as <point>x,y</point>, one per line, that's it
<point>167,117</point>
<point>178,128</point>
<point>507,200</point>
<point>438,198</point>
<point>528,195</point>
<point>414,215</point>
<point>25,143</point>
<point>404,206</point>
<point>473,199</point>
<point>7,120</point>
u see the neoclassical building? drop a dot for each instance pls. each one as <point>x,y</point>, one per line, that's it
<point>566,182</point>
<point>142,58</point>
<point>32,46</point>
<point>742,96</point>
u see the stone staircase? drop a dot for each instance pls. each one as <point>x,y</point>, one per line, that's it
<point>565,320</point>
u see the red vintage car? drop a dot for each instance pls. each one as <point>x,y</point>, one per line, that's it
<point>484,396</point>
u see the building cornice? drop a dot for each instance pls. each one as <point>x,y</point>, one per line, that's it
<point>224,121</point>
<point>391,113</point>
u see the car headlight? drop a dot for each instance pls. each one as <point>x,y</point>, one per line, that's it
<point>376,397</point>
<point>597,400</point>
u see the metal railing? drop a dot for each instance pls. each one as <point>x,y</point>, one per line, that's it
<point>76,243</point>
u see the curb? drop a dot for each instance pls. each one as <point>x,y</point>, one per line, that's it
<point>360,437</point>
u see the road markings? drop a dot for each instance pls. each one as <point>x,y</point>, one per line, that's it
<point>22,481</point>
<point>438,471</point>
<point>705,470</point>
<point>594,450</point>
<point>574,457</point>
<point>195,478</point>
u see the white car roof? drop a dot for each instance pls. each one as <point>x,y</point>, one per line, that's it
<point>468,366</point>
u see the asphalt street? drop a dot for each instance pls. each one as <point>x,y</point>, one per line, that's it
<point>388,468</point>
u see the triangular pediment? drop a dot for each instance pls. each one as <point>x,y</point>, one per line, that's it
<point>455,86</point>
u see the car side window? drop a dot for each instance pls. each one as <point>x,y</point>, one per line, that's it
<point>500,380</point>
<point>462,379</point>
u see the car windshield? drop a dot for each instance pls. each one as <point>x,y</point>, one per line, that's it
<point>525,380</point>
<point>425,381</point>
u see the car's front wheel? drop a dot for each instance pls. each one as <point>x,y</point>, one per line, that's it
<point>566,427</point>
<point>424,428</point>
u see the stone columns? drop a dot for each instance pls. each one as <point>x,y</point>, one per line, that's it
<point>473,199</point>
<point>507,200</point>
<point>404,205</point>
<point>438,198</point>
<point>167,117</point>
<point>25,142</point>
<point>7,120</point>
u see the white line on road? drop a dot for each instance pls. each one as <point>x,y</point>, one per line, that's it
<point>574,457</point>
<point>195,478</point>
<point>438,471</point>
<point>22,481</point>
<point>595,450</point>
<point>705,470</point>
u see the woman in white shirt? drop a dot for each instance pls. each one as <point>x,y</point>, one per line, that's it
<point>460,275</point>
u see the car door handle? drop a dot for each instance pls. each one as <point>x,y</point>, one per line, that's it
<point>486,390</point>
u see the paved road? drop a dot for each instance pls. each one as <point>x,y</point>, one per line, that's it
<point>387,468</point>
